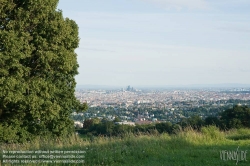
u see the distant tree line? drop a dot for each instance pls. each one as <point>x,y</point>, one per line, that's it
<point>236,117</point>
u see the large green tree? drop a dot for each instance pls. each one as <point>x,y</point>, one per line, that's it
<point>37,68</point>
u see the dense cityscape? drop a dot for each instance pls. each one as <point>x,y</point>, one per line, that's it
<point>131,105</point>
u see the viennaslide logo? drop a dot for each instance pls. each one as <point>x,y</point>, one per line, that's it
<point>233,155</point>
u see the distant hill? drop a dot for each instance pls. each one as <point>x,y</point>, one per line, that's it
<point>159,87</point>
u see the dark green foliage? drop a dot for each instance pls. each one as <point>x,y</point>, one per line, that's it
<point>145,128</point>
<point>237,117</point>
<point>122,129</point>
<point>117,119</point>
<point>176,128</point>
<point>105,128</point>
<point>164,127</point>
<point>212,121</point>
<point>37,68</point>
<point>195,122</point>
<point>109,128</point>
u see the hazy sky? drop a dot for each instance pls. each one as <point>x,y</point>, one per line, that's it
<point>161,42</point>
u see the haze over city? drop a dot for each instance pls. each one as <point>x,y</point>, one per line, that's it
<point>161,42</point>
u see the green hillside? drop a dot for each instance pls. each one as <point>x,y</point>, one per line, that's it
<point>185,148</point>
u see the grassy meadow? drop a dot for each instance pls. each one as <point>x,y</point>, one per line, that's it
<point>185,148</point>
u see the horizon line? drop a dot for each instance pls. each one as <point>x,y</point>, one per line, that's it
<point>225,85</point>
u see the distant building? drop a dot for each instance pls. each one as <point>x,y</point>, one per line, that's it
<point>143,122</point>
<point>78,124</point>
<point>126,123</point>
<point>128,88</point>
<point>154,119</point>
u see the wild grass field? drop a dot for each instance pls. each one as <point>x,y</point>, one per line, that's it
<point>185,148</point>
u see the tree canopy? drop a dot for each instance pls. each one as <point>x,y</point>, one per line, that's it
<point>38,64</point>
<point>236,117</point>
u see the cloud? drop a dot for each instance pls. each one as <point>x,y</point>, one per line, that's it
<point>180,4</point>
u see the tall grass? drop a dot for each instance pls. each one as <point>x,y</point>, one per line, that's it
<point>238,134</point>
<point>186,147</point>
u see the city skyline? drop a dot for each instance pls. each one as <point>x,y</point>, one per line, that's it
<point>161,43</point>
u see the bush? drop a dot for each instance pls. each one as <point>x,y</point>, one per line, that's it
<point>11,134</point>
<point>237,117</point>
<point>164,127</point>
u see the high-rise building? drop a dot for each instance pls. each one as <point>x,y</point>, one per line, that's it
<point>128,88</point>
